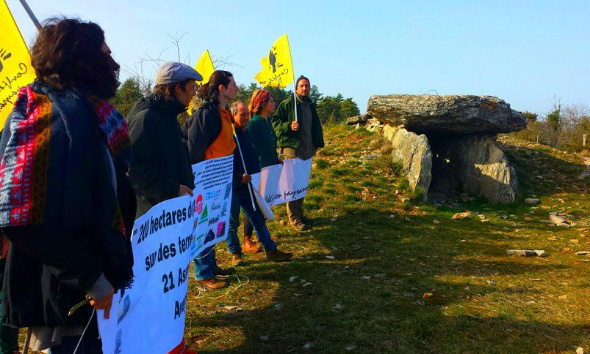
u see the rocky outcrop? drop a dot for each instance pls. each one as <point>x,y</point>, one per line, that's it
<point>412,152</point>
<point>446,114</point>
<point>447,142</point>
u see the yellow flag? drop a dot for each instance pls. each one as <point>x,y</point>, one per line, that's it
<point>15,62</point>
<point>205,67</point>
<point>277,67</point>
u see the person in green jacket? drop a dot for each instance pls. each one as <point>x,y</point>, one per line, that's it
<point>260,130</point>
<point>299,138</point>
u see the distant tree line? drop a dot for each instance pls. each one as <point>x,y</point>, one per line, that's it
<point>562,127</point>
<point>331,109</point>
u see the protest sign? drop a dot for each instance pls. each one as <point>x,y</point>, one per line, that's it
<point>15,62</point>
<point>283,183</point>
<point>149,316</point>
<point>213,181</point>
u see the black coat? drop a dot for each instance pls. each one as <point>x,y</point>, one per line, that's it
<point>160,157</point>
<point>201,130</point>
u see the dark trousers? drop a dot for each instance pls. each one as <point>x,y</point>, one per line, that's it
<point>8,335</point>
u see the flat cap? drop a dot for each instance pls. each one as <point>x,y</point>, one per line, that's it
<point>174,72</point>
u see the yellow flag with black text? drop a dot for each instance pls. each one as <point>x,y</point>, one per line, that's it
<point>205,67</point>
<point>15,62</point>
<point>277,67</point>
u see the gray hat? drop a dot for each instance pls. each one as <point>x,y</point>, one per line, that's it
<point>173,72</point>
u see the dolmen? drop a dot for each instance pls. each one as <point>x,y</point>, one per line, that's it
<point>448,142</point>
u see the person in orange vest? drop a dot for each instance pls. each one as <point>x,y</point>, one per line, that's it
<point>209,135</point>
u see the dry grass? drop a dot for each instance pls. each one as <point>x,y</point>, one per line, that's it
<point>376,275</point>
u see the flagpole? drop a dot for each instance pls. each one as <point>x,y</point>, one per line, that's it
<point>31,14</point>
<point>245,170</point>
<point>295,98</point>
<point>294,81</point>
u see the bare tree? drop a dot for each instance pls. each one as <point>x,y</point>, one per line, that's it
<point>145,68</point>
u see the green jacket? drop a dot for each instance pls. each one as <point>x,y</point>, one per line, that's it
<point>264,139</point>
<point>281,121</point>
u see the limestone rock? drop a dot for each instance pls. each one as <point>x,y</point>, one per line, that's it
<point>412,151</point>
<point>374,125</point>
<point>444,114</point>
<point>461,216</point>
<point>360,119</point>
<point>475,163</point>
<point>527,253</point>
<point>557,220</point>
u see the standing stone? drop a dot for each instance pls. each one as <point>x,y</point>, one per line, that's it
<point>412,151</point>
<point>479,166</point>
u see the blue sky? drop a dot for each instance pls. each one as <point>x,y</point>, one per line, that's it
<point>525,52</point>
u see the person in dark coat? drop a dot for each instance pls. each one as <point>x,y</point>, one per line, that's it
<point>65,153</point>
<point>241,196</point>
<point>161,168</point>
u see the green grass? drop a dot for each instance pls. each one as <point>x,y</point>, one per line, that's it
<point>387,254</point>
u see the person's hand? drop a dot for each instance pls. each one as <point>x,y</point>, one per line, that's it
<point>294,125</point>
<point>246,179</point>
<point>104,304</point>
<point>182,190</point>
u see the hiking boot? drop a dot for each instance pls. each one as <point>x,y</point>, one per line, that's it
<point>212,284</point>
<point>278,256</point>
<point>250,245</point>
<point>237,259</point>
<point>298,225</point>
<point>223,271</point>
<point>307,221</point>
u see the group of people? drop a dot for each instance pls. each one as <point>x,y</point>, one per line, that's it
<point>74,175</point>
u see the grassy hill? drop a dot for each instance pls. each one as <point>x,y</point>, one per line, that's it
<point>383,273</point>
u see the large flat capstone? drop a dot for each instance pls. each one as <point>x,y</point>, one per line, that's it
<point>446,114</point>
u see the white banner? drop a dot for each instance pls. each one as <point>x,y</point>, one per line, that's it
<point>283,183</point>
<point>149,317</point>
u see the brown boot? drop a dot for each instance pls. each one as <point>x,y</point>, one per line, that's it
<point>212,284</point>
<point>299,225</point>
<point>278,256</point>
<point>237,259</point>
<point>250,245</point>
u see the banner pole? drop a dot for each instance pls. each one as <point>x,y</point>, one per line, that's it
<point>31,14</point>
<point>295,100</point>
<point>246,171</point>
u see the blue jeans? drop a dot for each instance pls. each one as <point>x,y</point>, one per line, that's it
<point>90,345</point>
<point>241,198</point>
<point>205,263</point>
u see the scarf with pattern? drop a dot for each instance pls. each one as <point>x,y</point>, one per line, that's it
<point>44,127</point>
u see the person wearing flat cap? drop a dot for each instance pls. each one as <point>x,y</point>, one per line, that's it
<point>161,168</point>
